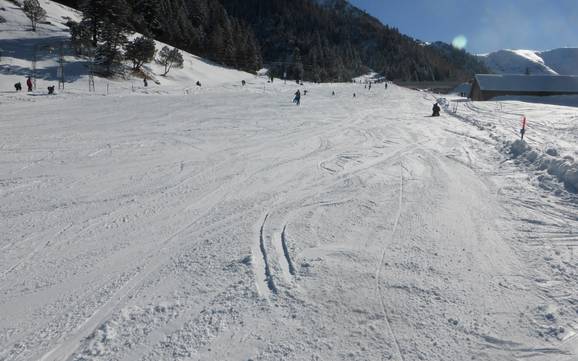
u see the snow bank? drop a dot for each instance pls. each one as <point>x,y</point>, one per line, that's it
<point>564,169</point>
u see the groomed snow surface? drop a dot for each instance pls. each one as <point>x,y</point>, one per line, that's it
<point>225,223</point>
<point>233,225</point>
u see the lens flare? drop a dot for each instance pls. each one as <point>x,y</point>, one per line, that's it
<point>460,42</point>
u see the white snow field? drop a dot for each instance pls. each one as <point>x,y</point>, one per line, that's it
<point>233,225</point>
<point>226,223</point>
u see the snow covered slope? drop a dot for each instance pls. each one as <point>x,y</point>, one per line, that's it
<point>230,224</point>
<point>562,61</point>
<point>17,43</point>
<point>173,227</point>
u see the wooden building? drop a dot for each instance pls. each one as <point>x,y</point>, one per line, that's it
<point>488,86</point>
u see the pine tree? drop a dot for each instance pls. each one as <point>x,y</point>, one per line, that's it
<point>80,36</point>
<point>108,23</point>
<point>146,15</point>
<point>34,12</point>
<point>141,50</point>
<point>93,15</point>
<point>109,51</point>
<point>297,69</point>
<point>98,14</point>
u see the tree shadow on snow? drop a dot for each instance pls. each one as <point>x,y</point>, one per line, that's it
<point>72,71</point>
<point>23,49</point>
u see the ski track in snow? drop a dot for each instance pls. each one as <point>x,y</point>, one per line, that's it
<point>194,227</point>
<point>386,314</point>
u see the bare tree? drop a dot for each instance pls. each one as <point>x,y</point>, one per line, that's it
<point>34,12</point>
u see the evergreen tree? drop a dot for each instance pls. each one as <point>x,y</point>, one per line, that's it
<point>297,69</point>
<point>109,14</point>
<point>146,16</point>
<point>108,23</point>
<point>141,50</point>
<point>109,51</point>
<point>80,36</point>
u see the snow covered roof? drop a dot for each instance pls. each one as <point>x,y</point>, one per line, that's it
<point>528,83</point>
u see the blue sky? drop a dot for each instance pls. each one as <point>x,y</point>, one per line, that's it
<point>488,25</point>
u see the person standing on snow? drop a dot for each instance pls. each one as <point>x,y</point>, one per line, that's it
<point>29,84</point>
<point>436,110</point>
<point>297,99</point>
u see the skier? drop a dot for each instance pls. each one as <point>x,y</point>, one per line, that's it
<point>29,84</point>
<point>385,85</point>
<point>333,93</point>
<point>436,110</point>
<point>243,83</point>
<point>18,87</point>
<point>198,83</point>
<point>51,90</point>
<point>354,95</point>
<point>297,99</point>
<point>144,80</point>
<point>369,86</point>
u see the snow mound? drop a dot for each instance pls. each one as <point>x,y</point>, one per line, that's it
<point>563,169</point>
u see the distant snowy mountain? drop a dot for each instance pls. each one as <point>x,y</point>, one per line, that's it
<point>563,61</point>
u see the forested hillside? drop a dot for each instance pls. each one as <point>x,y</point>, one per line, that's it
<point>315,40</point>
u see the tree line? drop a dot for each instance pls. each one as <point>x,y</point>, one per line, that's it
<point>302,39</point>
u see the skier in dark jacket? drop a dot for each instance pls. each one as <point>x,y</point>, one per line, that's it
<point>436,110</point>
<point>29,84</point>
<point>297,99</point>
<point>18,87</point>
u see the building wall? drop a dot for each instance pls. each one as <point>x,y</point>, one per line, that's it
<point>475,92</point>
<point>483,95</point>
<point>488,95</point>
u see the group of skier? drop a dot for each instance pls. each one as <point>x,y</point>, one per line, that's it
<point>18,86</point>
<point>297,95</point>
<point>30,86</point>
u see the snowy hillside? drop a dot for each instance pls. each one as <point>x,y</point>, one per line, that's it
<point>562,61</point>
<point>17,43</point>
